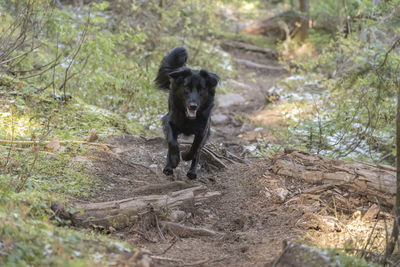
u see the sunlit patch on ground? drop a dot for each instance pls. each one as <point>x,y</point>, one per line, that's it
<point>20,126</point>
<point>330,217</point>
<point>355,235</point>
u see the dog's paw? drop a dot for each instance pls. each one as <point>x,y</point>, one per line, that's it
<point>186,156</point>
<point>191,175</point>
<point>174,156</point>
<point>174,160</point>
<point>168,171</point>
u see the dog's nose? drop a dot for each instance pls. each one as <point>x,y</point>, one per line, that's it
<point>193,106</point>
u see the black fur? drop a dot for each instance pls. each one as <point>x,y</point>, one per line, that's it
<point>190,102</point>
<point>175,59</point>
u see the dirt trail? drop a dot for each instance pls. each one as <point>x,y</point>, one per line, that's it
<point>252,228</point>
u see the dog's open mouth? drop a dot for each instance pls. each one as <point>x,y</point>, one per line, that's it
<point>191,112</point>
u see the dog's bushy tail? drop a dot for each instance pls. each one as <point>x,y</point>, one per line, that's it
<point>175,59</point>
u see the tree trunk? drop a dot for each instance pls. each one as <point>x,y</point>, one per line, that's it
<point>391,243</point>
<point>305,18</point>
<point>358,178</point>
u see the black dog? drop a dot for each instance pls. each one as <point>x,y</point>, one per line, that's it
<point>190,102</point>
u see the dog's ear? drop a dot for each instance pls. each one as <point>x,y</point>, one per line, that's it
<point>177,76</point>
<point>211,79</point>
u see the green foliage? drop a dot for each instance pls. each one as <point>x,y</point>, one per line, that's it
<point>78,70</point>
<point>355,89</point>
<point>30,241</point>
<point>340,258</point>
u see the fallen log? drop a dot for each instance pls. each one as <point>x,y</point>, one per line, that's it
<point>254,65</point>
<point>360,178</point>
<point>273,27</point>
<point>121,213</point>
<point>273,54</point>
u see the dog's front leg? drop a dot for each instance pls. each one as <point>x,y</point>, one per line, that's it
<point>194,154</point>
<point>173,150</point>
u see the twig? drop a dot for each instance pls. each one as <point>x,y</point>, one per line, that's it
<point>186,231</point>
<point>23,54</point>
<point>81,41</point>
<point>373,229</point>
<point>236,157</point>
<point>12,139</point>
<point>24,149</point>
<point>106,146</point>
<point>169,247</point>
<point>210,153</point>
<point>166,259</point>
<point>142,235</point>
<point>394,45</point>
<point>159,229</point>
<point>25,179</point>
<point>318,188</point>
<point>182,263</point>
<point>377,255</point>
<point>201,262</point>
<point>131,164</point>
<point>214,157</point>
<point>53,64</point>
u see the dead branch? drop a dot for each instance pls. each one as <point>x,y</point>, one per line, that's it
<point>318,189</point>
<point>159,229</point>
<point>12,148</point>
<point>49,65</point>
<point>21,55</point>
<point>210,155</point>
<point>78,48</point>
<point>105,146</point>
<point>187,231</point>
<point>213,158</point>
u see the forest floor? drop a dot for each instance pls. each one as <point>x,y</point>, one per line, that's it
<point>257,210</point>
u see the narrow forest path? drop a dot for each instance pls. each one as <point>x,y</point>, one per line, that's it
<point>251,227</point>
<point>254,213</point>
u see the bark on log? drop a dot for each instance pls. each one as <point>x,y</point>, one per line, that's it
<point>361,178</point>
<point>273,54</point>
<point>125,212</point>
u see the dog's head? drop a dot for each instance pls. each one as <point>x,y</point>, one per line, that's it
<point>194,88</point>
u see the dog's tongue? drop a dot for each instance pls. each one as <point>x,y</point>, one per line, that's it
<point>191,113</point>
